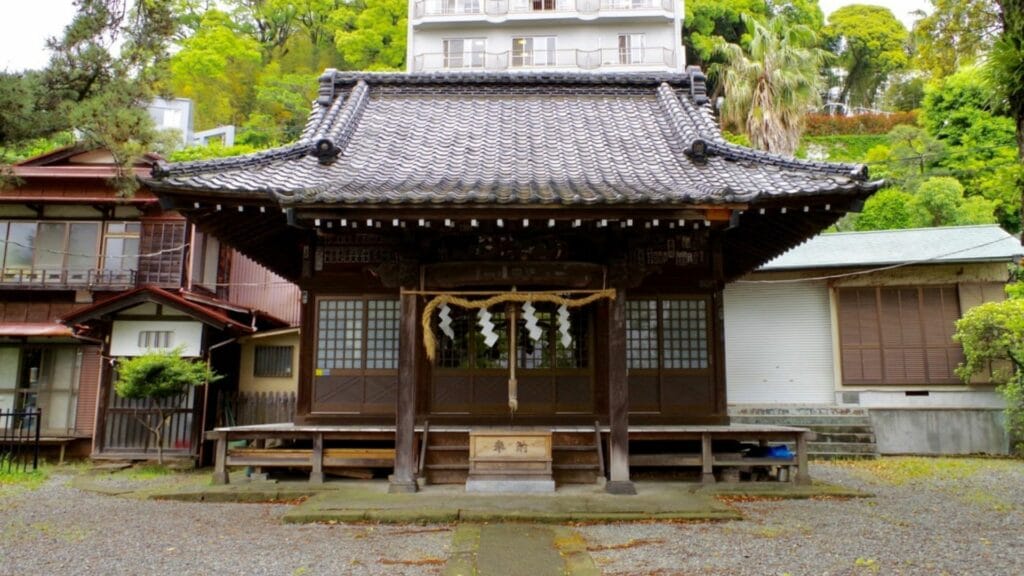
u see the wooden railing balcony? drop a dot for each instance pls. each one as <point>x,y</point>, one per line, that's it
<point>61,278</point>
<point>500,8</point>
<point>547,59</point>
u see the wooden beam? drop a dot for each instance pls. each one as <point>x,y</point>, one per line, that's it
<point>404,478</point>
<point>220,470</point>
<point>618,400</point>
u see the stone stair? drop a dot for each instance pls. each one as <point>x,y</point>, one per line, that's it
<point>842,432</point>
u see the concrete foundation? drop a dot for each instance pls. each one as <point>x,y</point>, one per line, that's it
<point>940,431</point>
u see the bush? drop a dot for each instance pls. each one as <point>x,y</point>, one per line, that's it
<point>826,125</point>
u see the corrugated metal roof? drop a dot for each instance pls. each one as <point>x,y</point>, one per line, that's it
<point>984,243</point>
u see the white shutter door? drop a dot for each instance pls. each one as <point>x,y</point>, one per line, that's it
<point>778,344</point>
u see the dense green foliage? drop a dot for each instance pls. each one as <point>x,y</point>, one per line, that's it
<point>160,377</point>
<point>992,336</point>
<point>953,34</point>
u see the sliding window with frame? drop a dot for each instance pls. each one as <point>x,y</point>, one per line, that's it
<point>899,336</point>
<point>669,358</point>
<point>356,355</point>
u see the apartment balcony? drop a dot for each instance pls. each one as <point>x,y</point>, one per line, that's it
<point>64,279</point>
<point>445,12</point>
<point>608,59</point>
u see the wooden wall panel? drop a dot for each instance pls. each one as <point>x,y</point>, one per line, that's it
<point>88,390</point>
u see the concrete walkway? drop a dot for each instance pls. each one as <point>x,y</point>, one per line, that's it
<point>518,550</point>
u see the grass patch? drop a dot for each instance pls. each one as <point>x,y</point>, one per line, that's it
<point>146,472</point>
<point>901,470</point>
<point>22,480</point>
<point>842,148</point>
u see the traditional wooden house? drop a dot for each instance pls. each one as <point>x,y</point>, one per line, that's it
<point>536,250</point>
<point>853,333</point>
<point>68,241</point>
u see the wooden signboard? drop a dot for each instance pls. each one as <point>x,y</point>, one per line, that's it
<point>512,454</point>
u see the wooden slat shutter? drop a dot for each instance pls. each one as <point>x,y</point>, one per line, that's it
<point>899,336</point>
<point>88,390</point>
<point>163,241</point>
<point>859,336</point>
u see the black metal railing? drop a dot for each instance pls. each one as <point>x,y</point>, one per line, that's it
<point>19,439</point>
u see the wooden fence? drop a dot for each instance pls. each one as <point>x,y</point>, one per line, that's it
<point>246,408</point>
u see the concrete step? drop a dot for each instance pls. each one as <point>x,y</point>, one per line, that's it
<point>814,448</point>
<point>805,421</point>
<point>797,410</point>
<point>850,437</point>
<point>841,456</point>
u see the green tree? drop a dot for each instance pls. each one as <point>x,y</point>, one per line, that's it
<point>954,33</point>
<point>941,202</point>
<point>707,23</point>
<point>102,74</point>
<point>373,37</point>
<point>871,44</point>
<point>770,84</point>
<point>992,336</point>
<point>218,68</point>
<point>887,209</point>
<point>161,378</point>
<point>951,104</point>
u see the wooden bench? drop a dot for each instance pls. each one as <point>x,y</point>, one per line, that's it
<point>316,459</point>
<point>795,466</point>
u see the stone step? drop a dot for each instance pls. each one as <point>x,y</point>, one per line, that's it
<point>840,448</point>
<point>841,456</point>
<point>803,421</point>
<point>851,437</point>
<point>797,410</point>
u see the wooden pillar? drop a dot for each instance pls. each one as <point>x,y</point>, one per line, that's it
<point>316,472</point>
<point>404,478</point>
<point>220,469</point>
<point>707,459</point>
<point>803,475</point>
<point>618,400</point>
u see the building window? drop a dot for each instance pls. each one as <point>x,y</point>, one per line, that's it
<point>533,51</point>
<point>152,339</point>
<point>48,251</point>
<point>631,49</point>
<point>670,334</point>
<point>543,5</point>
<point>898,335</point>
<point>41,377</point>
<point>464,52</point>
<point>121,247</point>
<point>273,361</point>
<point>205,257</point>
<point>355,334</point>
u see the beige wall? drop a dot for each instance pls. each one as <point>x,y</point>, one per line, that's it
<point>249,383</point>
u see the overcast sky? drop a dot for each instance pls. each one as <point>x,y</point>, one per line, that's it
<point>25,26</point>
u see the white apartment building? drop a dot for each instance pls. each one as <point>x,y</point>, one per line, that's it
<point>556,35</point>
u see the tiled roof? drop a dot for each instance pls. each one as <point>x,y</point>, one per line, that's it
<point>554,139</point>
<point>985,243</point>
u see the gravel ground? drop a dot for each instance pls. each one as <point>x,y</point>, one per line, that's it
<point>953,520</point>
<point>60,530</point>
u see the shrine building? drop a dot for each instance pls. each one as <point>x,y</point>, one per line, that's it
<point>534,253</point>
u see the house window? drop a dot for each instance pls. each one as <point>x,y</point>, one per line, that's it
<point>121,247</point>
<point>42,251</point>
<point>205,255</point>
<point>273,361</point>
<point>460,6</point>
<point>42,377</point>
<point>357,334</point>
<point>631,48</point>
<point>670,334</point>
<point>898,335</point>
<point>543,4</point>
<point>464,52</point>
<point>533,51</point>
<point>154,339</point>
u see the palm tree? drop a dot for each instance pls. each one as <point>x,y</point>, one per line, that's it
<point>771,83</point>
